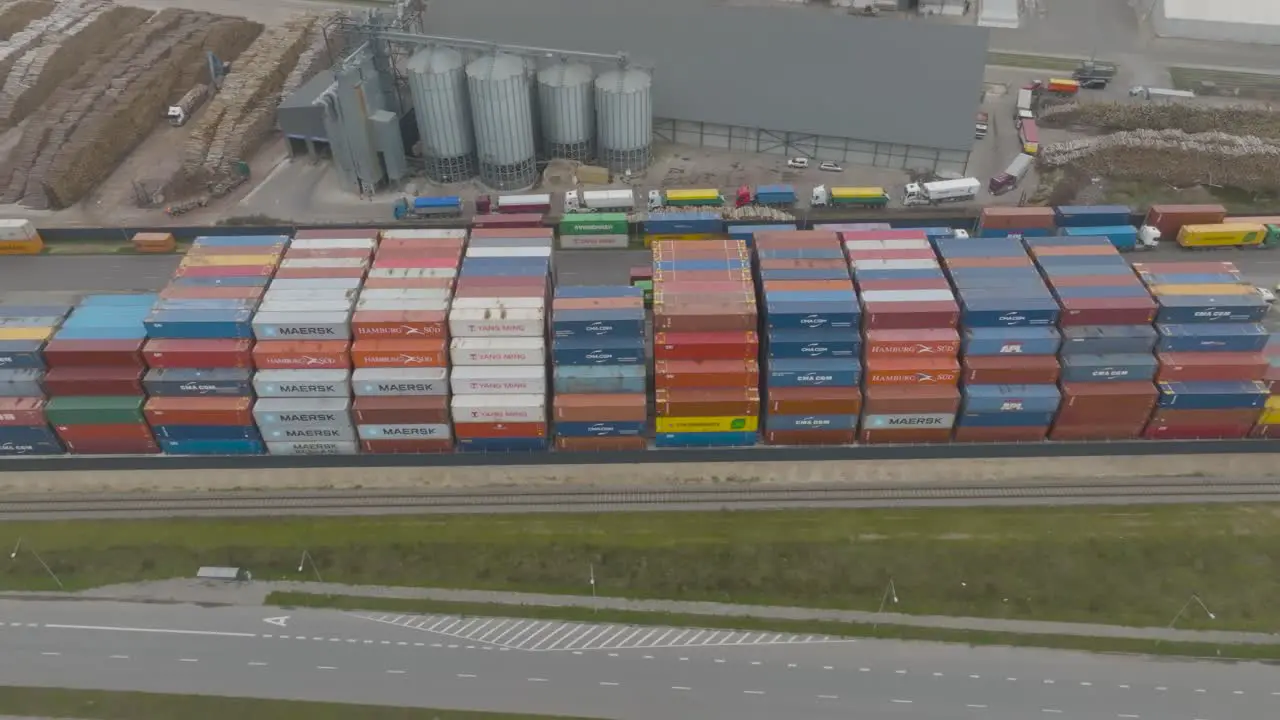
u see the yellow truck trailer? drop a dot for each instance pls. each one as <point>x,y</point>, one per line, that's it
<point>1213,289</point>
<point>1222,235</point>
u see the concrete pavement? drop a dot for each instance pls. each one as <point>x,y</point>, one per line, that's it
<point>334,656</point>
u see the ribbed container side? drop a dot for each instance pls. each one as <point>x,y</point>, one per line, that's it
<point>535,114</point>
<point>624,119</point>
<point>503,121</point>
<point>438,84</point>
<point>567,109</point>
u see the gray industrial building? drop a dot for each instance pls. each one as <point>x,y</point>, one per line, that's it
<point>1244,21</point>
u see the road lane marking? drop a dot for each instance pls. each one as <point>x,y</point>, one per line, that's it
<point>51,654</point>
<point>1011,679</point>
<point>119,657</point>
<point>1126,687</point>
<point>684,659</point>
<point>679,687</point>
<point>1161,687</point>
<point>257,664</point>
<point>937,674</point>
<point>1051,711</point>
<point>828,697</point>
<point>1238,692</point>
<point>609,684</point>
<point>465,675</point>
<point>1202,691</point>
<point>537,679</point>
<point>756,662</point>
<point>160,631</point>
<point>752,692</point>
<point>613,654</point>
<point>828,667</point>
<point>974,677</point>
<point>648,657</point>
<point>326,667</point>
<point>977,707</point>
<point>864,669</point>
<point>901,672</point>
<point>188,660</point>
<point>395,672</point>
<point>1129,717</point>
<point>1086,684</point>
<point>901,702</point>
<point>791,665</point>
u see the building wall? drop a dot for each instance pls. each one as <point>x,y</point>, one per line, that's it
<point>841,150</point>
<point>1197,29</point>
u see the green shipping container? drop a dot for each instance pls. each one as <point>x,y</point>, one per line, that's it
<point>594,224</point>
<point>873,201</point>
<point>95,410</point>
<point>1273,236</point>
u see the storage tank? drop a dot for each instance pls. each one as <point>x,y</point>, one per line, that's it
<point>624,119</point>
<point>439,89</point>
<point>531,69</point>
<point>503,120</point>
<point>567,108</point>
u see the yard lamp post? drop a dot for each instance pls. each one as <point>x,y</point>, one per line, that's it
<point>14,555</point>
<point>302,563</point>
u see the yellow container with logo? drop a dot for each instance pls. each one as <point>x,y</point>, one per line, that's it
<point>34,246</point>
<point>707,424</point>
<point>700,195</point>
<point>1222,235</point>
<point>227,260</point>
<point>649,240</point>
<point>36,333</point>
<point>1216,289</point>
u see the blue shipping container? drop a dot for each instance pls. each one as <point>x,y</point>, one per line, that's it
<point>1108,339</point>
<point>1121,237</point>
<point>125,300</point>
<point>502,445</point>
<point>27,435</point>
<point>108,333</point>
<point>599,379</point>
<point>1212,337</point>
<point>1103,291</point>
<point>21,354</point>
<point>812,316</point>
<point>612,350</point>
<point>220,382</point>
<point>1075,216</point>
<point>1005,419</point>
<point>726,264</point>
<point>598,323</point>
<point>1100,368</point>
<point>804,274</point>
<point>206,432</point>
<point>795,344</point>
<point>811,422</point>
<point>1051,262</point>
<point>748,232</point>
<point>1016,233</point>
<point>1213,395</point>
<point>987,247</point>
<point>1070,270</point>
<point>599,429</point>
<point>598,291</point>
<point>922,274</point>
<point>831,253</point>
<point>981,312</point>
<point>811,297</point>
<point>197,330</point>
<point>212,446</point>
<point>14,449</point>
<point>220,282</point>
<point>1178,309</point>
<point>685,224</point>
<point>1039,340</point>
<point>814,372</point>
<point>240,240</point>
<point>705,440</point>
<point>1016,399</point>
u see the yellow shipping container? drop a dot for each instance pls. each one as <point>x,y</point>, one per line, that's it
<point>1273,402</point>
<point>688,195</point>
<point>1269,417</point>
<point>649,240</point>
<point>1222,235</point>
<point>1204,289</point>
<point>34,246</point>
<point>227,260</point>
<point>857,192</point>
<point>707,424</point>
<point>36,333</point>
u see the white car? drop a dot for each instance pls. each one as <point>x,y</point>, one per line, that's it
<point>798,162</point>
<point>1266,294</point>
<point>830,167</point>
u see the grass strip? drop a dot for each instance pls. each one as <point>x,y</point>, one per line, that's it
<point>748,623</point>
<point>1127,565</point>
<point>110,705</point>
<point>1247,83</point>
<point>1032,62</point>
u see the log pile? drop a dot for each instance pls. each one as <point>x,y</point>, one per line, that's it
<point>314,58</point>
<point>17,14</point>
<point>1119,117</point>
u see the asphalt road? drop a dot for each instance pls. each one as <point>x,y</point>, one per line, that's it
<point>397,660</point>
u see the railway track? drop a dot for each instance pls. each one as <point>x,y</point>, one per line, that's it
<point>355,502</point>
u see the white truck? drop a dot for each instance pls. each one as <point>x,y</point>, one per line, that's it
<point>1154,93</point>
<point>179,114</point>
<point>941,191</point>
<point>588,201</point>
<point>1025,109</point>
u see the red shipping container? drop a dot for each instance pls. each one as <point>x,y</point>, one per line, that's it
<point>434,246</point>
<point>1169,219</point>
<point>1073,250</point>
<point>380,283</point>
<point>400,324</point>
<point>696,251</point>
<point>399,353</point>
<point>1205,418</point>
<point>743,345</point>
<point>338,234</point>
<point>991,262</point>
<point>918,284</point>
<point>1011,370</point>
<point>924,341</point>
<point>397,260</point>
<point>815,401</point>
<point>1107,403</point>
<point>1265,432</point>
<point>405,447</point>
<point>707,402</point>
<point>806,285</point>
<point>319,273</point>
<point>910,400</point>
<point>324,253</point>
<point>1035,433</point>
<point>911,370</point>
<point>302,355</point>
<point>1016,218</point>
<point>803,264</point>
<point>495,221</point>
<point>660,276</point>
<point>910,315</point>
<point>605,407</point>
<point>901,234</point>
<point>810,437</point>
<point>704,288</point>
<point>225,271</point>
<point>1155,431</point>
<point>1211,367</point>
<point>21,411</point>
<point>182,292</point>
<point>663,299</point>
<point>223,353</point>
<point>906,436</point>
<point>601,444</point>
<point>500,430</point>
<point>705,318</point>
<point>675,374</point>
<point>112,447</point>
<point>1094,432</point>
<point>94,353</point>
<point>104,433</point>
<point>107,380</point>
<point>401,410</point>
<point>199,411</point>
<point>1107,311</point>
<point>1272,377</point>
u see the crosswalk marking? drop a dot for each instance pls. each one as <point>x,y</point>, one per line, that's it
<point>556,636</point>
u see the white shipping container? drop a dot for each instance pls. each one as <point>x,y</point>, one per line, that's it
<point>509,242</point>
<point>318,294</point>
<point>13,230</point>
<point>499,380</point>
<point>334,244</point>
<point>412,273</point>
<point>497,351</point>
<point>508,252</point>
<point>421,431</point>
<point>896,264</point>
<point>297,306</point>
<point>302,411</point>
<point>313,448</point>
<point>325,433</point>
<point>426,234</point>
<point>907,296</point>
<point>499,408</point>
<point>863,244</point>
<point>302,326</point>
<point>494,303</point>
<point>317,284</point>
<point>302,383</point>
<point>510,201</point>
<point>405,294</point>
<point>907,244</point>
<point>438,305</point>
<point>400,381</point>
<point>324,263</point>
<point>516,322</point>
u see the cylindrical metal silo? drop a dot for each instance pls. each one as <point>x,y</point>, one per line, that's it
<point>531,69</point>
<point>567,108</point>
<point>624,119</point>
<point>503,119</point>
<point>439,87</point>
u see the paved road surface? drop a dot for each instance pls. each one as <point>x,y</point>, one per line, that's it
<point>328,655</point>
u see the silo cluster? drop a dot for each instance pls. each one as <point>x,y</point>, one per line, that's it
<point>624,120</point>
<point>439,88</point>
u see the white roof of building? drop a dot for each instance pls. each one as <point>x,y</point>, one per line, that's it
<point>1248,12</point>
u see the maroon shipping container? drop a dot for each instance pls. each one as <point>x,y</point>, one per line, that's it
<point>705,318</point>
<point>1016,218</point>
<point>707,402</point>
<point>104,433</point>
<point>94,353</point>
<point>404,410</point>
<point>810,437</point>
<point>1204,418</point>
<point>1092,431</point>
<point>1107,403</point>
<point>336,234</point>
<point>797,238</point>
<point>111,447</point>
<point>1107,311</point>
<point>1010,370</point>
<point>1197,432</point>
<point>910,400</point>
<point>1265,432</point>
<point>1169,219</point>
<point>910,315</point>
<point>1034,433</point>
<point>506,222</point>
<point>107,380</point>
<point>918,284</point>
<point>902,234</point>
<point>905,436</point>
<point>1211,367</point>
<point>989,262</point>
<point>405,447</point>
<point>21,411</point>
<point>175,353</point>
<point>815,401</point>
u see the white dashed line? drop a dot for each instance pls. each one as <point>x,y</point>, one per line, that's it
<point>609,684</point>
<point>648,657</point>
<point>828,667</point>
<point>1202,691</point>
<point>1012,679</point>
<point>679,687</point>
<point>1086,684</point>
<point>864,669</point>
<point>1125,687</point>
<point>752,692</point>
<point>901,702</point>
<point>1129,717</point>
<point>1237,692</point>
<point>721,660</point>
<point>791,665</point>
<point>901,672</point>
<point>188,660</point>
<point>465,675</point>
<point>537,679</point>
<point>756,662</point>
<point>326,667</point>
<point>255,663</point>
<point>1048,682</point>
<point>51,654</point>
<point>119,657</point>
<point>977,707</point>
<point>395,672</point>
<point>975,677</point>
<point>1161,687</point>
<point>1051,711</point>
<point>828,697</point>
<point>937,674</point>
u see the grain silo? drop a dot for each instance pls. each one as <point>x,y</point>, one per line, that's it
<point>439,87</point>
<point>567,108</point>
<point>502,116</point>
<point>531,69</point>
<point>624,120</point>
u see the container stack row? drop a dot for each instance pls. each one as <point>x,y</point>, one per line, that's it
<point>706,347</point>
<point>1269,420</point>
<point>812,338</point>
<point>199,347</point>
<point>667,226</point>
<point>94,381</point>
<point>401,350</point>
<point>911,347</point>
<point>599,365</point>
<point>303,352</point>
<point>1007,312</point>
<point>498,341</point>
<point>1017,222</point>
<point>24,332</point>
<point>1108,342</point>
<point>1112,222</point>
<point>594,231</point>
<point>1211,359</point>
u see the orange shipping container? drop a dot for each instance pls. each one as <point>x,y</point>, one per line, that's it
<point>302,355</point>
<point>707,317</point>
<point>400,323</point>
<point>399,353</point>
<point>917,370</point>
<point>1015,218</point>
<point>464,431</point>
<point>670,374</point>
<point>988,262</point>
<point>703,402</point>
<point>618,303</point>
<point>906,436</point>
<point>815,401</point>
<point>806,285</point>
<point>199,411</point>
<point>628,407</point>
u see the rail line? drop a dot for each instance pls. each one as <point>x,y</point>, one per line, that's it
<point>355,502</point>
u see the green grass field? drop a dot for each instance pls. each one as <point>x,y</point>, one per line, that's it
<point>1033,62</point>
<point>1130,565</point>
<point>1262,86</point>
<point>101,705</point>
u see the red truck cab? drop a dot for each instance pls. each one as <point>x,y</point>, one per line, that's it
<point>744,196</point>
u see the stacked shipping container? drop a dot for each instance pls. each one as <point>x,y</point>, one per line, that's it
<point>598,344</point>
<point>595,231</point>
<point>303,352</point>
<point>813,340</point>
<point>199,347</point>
<point>668,226</point>
<point>706,347</point>
<point>24,330</point>
<point>909,318</point>
<point>401,348</point>
<point>498,341</point>
<point>95,377</point>
<point>1003,221</point>
<point>1269,420</point>
<point>1210,351</point>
